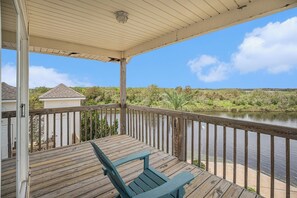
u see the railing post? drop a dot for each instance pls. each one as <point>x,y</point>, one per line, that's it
<point>179,149</point>
<point>123,64</point>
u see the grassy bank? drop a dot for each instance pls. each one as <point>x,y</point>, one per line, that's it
<point>200,100</point>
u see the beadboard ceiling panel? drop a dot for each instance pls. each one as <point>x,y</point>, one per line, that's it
<point>88,28</point>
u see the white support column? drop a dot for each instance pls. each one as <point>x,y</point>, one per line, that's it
<point>22,111</point>
<point>123,95</point>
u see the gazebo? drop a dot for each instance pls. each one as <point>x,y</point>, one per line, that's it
<point>114,31</point>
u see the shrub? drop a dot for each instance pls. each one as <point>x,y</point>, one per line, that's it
<point>201,165</point>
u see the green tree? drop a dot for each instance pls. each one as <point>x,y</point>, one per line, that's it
<point>153,95</point>
<point>176,100</point>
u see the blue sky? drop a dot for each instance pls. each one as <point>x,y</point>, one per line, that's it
<point>258,54</point>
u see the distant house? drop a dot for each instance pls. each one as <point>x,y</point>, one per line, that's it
<point>59,97</point>
<point>8,104</point>
<point>8,97</point>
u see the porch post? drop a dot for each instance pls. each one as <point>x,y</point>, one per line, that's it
<point>179,138</point>
<point>123,95</point>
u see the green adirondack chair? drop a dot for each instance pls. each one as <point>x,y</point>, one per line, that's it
<point>149,184</point>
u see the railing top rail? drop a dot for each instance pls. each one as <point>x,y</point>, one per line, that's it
<point>7,114</point>
<point>269,129</point>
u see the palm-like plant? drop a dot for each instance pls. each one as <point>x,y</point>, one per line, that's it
<point>176,100</point>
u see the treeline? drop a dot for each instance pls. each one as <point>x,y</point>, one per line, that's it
<point>187,98</point>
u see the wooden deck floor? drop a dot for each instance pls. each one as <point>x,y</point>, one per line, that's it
<point>74,171</point>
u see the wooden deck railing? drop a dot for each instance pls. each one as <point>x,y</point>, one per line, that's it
<point>57,127</point>
<point>205,141</point>
<point>185,135</point>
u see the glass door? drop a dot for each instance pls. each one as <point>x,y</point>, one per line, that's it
<point>8,47</point>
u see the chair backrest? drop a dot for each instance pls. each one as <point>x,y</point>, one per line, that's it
<point>110,170</point>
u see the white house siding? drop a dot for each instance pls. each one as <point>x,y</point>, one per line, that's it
<point>62,104</point>
<point>7,106</point>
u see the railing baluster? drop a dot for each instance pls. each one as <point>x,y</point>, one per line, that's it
<point>110,121</point>
<point>115,118</point>
<point>39,132</point>
<point>139,127</point>
<point>54,127</point>
<point>272,166</point>
<point>142,125</point>
<point>101,123</point>
<point>106,123</point>
<point>258,161</point>
<point>47,131</point>
<point>74,128</point>
<point>186,138</point>
<point>136,124</point>
<point>224,153</point>
<point>150,129</point>
<point>288,175</point>
<point>91,124</point>
<point>167,136</point>
<point>199,144</point>
<point>154,131</point>
<point>128,120</point>
<point>234,155</point>
<point>215,148</point>
<point>158,131</point>
<point>163,141</point>
<point>68,131</point>
<point>172,134</point>
<point>86,131</point>
<point>96,124</point>
<point>32,132</point>
<point>61,129</point>
<point>192,142</point>
<point>146,131</point>
<point>9,148</point>
<point>133,124</point>
<point>207,146</point>
<point>246,153</point>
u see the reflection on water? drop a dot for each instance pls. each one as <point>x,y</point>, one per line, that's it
<point>276,118</point>
<point>283,119</point>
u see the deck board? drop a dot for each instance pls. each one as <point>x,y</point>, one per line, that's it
<point>74,171</point>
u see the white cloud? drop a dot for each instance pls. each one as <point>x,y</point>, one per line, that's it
<point>8,72</point>
<point>271,48</point>
<point>209,69</point>
<point>40,76</point>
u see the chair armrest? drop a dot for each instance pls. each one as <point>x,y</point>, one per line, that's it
<point>172,185</point>
<point>134,156</point>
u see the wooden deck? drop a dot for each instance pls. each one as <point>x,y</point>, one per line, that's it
<point>74,171</point>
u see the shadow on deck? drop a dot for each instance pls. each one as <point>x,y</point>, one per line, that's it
<point>74,171</point>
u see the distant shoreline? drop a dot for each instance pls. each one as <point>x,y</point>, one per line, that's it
<point>199,100</point>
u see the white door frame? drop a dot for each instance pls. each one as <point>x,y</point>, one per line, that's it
<point>22,105</point>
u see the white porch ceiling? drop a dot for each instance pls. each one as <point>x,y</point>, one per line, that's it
<point>89,28</point>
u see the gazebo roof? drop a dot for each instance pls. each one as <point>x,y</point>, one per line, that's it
<point>8,92</point>
<point>89,29</point>
<point>61,92</point>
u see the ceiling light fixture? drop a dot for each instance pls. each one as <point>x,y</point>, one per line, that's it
<point>121,16</point>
